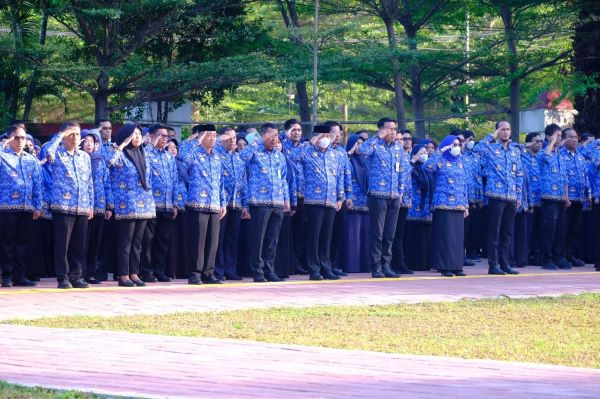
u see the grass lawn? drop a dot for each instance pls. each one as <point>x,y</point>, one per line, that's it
<point>564,330</point>
<point>11,391</point>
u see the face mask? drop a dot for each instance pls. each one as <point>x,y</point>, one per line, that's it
<point>423,158</point>
<point>455,151</point>
<point>470,145</point>
<point>324,142</point>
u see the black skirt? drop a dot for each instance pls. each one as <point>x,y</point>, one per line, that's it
<point>417,245</point>
<point>448,236</point>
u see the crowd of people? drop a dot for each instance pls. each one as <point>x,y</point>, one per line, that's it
<point>266,204</point>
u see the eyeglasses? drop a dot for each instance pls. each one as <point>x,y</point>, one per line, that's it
<point>19,138</point>
<point>406,138</point>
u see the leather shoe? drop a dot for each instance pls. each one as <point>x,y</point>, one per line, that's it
<point>327,275</point>
<point>576,262</point>
<point>93,280</point>
<point>549,266</point>
<point>459,273</point>
<point>80,283</point>
<point>468,262</point>
<point>7,282</point>
<point>447,273</point>
<point>377,274</point>
<point>339,272</point>
<point>508,270</point>
<point>210,279</point>
<point>138,283</point>
<point>301,271</point>
<point>194,281</point>
<point>562,263</point>
<point>65,284</point>
<point>315,277</point>
<point>496,270</point>
<point>163,278</point>
<point>272,277</point>
<point>387,272</point>
<point>234,277</point>
<point>126,283</point>
<point>148,279</point>
<point>259,278</point>
<point>402,269</point>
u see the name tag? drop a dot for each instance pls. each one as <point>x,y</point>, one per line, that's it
<point>279,173</point>
<point>514,167</point>
<point>397,166</point>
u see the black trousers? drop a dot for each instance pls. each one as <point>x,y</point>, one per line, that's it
<point>92,245</point>
<point>48,245</point>
<point>265,224</point>
<point>534,234</point>
<point>596,218</point>
<point>474,233</point>
<point>384,218</point>
<point>129,245</point>
<point>398,259</point>
<point>69,245</point>
<point>298,234</point>
<point>569,242</point>
<point>15,229</point>
<point>319,229</point>
<point>520,242</point>
<point>337,233</point>
<point>155,244</point>
<point>108,251</point>
<point>553,224</point>
<point>501,226</point>
<point>203,239</point>
<point>229,237</point>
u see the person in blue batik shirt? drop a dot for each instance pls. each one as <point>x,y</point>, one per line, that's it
<point>201,167</point>
<point>323,169</point>
<point>234,182</point>
<point>103,203</point>
<point>451,205</point>
<point>579,193</point>
<point>531,165</point>
<point>383,156</point>
<point>554,194</point>
<point>167,200</point>
<point>20,201</point>
<point>71,203</point>
<point>107,146</point>
<point>134,203</point>
<point>267,198</point>
<point>503,169</point>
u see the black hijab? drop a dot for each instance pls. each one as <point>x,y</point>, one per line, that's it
<point>135,154</point>
<point>357,163</point>
<point>421,177</point>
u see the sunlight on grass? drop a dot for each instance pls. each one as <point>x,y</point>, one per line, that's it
<point>564,330</point>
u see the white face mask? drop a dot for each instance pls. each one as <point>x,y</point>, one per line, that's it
<point>423,158</point>
<point>324,142</point>
<point>455,151</point>
<point>470,145</point>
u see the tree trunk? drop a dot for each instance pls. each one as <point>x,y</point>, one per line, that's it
<point>398,92</point>
<point>101,97</point>
<point>415,82</point>
<point>515,83</point>
<point>30,94</point>
<point>16,78</point>
<point>304,107</point>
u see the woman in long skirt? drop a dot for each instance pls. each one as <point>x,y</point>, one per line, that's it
<point>450,206</point>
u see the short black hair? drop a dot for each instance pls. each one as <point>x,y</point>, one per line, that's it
<point>156,127</point>
<point>225,129</point>
<point>331,124</point>
<point>457,132</point>
<point>170,128</point>
<point>586,136</point>
<point>99,121</point>
<point>174,141</point>
<point>288,124</point>
<point>267,126</point>
<point>551,129</point>
<point>500,121</point>
<point>13,128</point>
<point>67,124</point>
<point>565,130</point>
<point>405,131</point>
<point>383,121</point>
<point>530,136</point>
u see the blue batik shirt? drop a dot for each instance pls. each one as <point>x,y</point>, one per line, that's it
<point>165,179</point>
<point>386,168</point>
<point>203,172</point>
<point>359,194</point>
<point>132,201</point>
<point>472,163</point>
<point>323,174</point>
<point>421,195</point>
<point>288,146</point>
<point>103,199</point>
<point>531,165</point>
<point>449,184</point>
<point>346,168</point>
<point>553,177</point>
<point>72,189</point>
<point>267,177</point>
<point>20,182</point>
<point>234,178</point>
<point>503,169</point>
<point>577,174</point>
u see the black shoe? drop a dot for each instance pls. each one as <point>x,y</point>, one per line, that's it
<point>163,278</point>
<point>301,271</point>
<point>315,277</point>
<point>210,279</point>
<point>339,272</point>
<point>377,274</point>
<point>576,262</point>
<point>549,266</point>
<point>65,284</point>
<point>327,275</point>
<point>447,273</point>
<point>93,280</point>
<point>459,273</point>
<point>468,262</point>
<point>149,279</point>
<point>402,269</point>
<point>80,283</point>
<point>194,281</point>
<point>126,283</point>
<point>387,272</point>
<point>7,282</point>
<point>508,270</point>
<point>259,278</point>
<point>562,263</point>
<point>34,277</point>
<point>272,277</point>
<point>138,283</point>
<point>533,261</point>
<point>234,277</point>
<point>495,270</point>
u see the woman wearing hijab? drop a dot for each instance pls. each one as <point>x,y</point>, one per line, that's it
<point>134,204</point>
<point>357,228</point>
<point>103,204</point>
<point>451,206</point>
<point>418,220</point>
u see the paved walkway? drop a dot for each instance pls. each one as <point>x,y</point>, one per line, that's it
<point>179,367</point>
<point>176,367</point>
